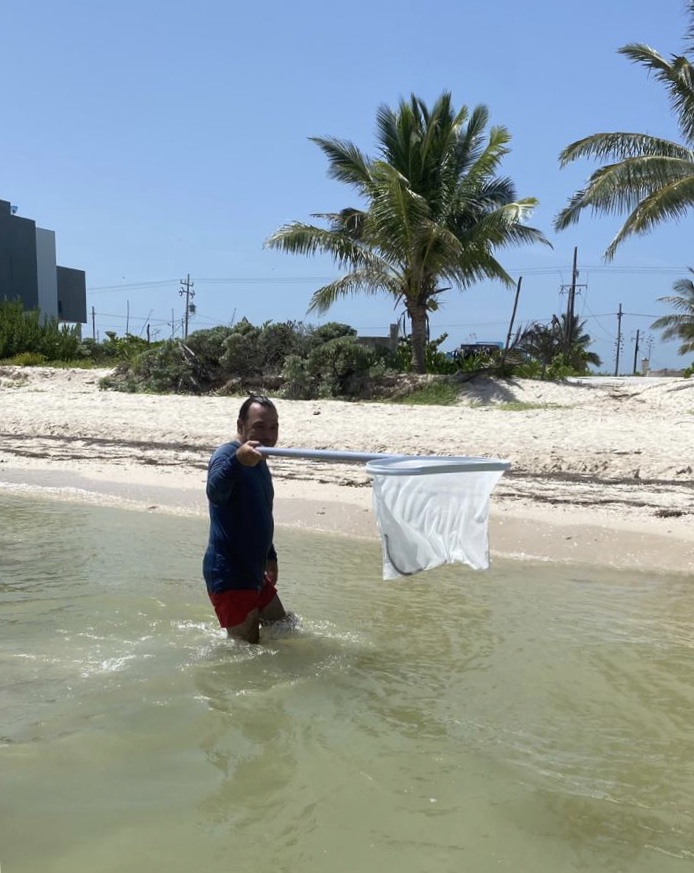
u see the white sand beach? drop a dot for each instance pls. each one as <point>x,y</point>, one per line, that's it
<point>602,469</point>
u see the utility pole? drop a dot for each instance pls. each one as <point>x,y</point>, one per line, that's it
<point>636,351</point>
<point>571,302</point>
<point>187,290</point>
<point>513,318</point>
<point>619,339</point>
<point>93,324</point>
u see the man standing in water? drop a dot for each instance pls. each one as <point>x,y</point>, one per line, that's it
<point>240,564</point>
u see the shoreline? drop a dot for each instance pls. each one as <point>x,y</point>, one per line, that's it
<point>602,472</point>
<point>533,534</point>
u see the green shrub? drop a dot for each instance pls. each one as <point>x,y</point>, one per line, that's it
<point>170,367</point>
<point>259,351</point>
<point>98,353</point>
<point>297,383</point>
<point>324,333</point>
<point>437,362</point>
<point>531,369</point>
<point>208,345</point>
<point>26,359</point>
<point>340,367</point>
<point>22,332</point>
<point>279,340</point>
<point>242,355</point>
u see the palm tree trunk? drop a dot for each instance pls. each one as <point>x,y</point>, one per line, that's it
<point>418,315</point>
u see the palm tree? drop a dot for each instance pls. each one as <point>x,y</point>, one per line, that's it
<point>649,178</point>
<point>546,342</point>
<point>539,342</point>
<point>577,339</point>
<point>680,324</point>
<point>434,213</point>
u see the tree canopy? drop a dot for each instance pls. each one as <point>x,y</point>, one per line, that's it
<point>432,215</point>
<point>649,178</point>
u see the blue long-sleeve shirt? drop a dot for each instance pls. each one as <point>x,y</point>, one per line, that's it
<point>241,523</point>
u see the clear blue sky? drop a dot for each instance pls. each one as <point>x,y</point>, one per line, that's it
<point>165,138</point>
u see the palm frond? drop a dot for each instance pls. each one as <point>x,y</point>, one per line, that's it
<point>298,238</point>
<point>678,77</point>
<point>394,132</point>
<point>396,212</point>
<point>488,160</point>
<point>689,32</point>
<point>623,187</point>
<point>349,221</point>
<point>647,177</point>
<point>470,141</point>
<point>619,146</point>
<point>681,302</point>
<point>505,224</point>
<point>367,281</point>
<point>672,201</point>
<point>486,196</point>
<point>347,163</point>
<point>679,324</point>
<point>684,288</point>
<point>479,264</point>
<point>672,323</point>
<point>686,348</point>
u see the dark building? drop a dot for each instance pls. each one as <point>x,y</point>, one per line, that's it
<point>28,270</point>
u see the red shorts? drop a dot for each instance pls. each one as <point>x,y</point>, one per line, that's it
<point>232,606</point>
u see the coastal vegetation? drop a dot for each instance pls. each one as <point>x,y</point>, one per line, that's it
<point>33,339</point>
<point>291,359</point>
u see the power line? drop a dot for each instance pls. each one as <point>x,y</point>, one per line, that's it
<point>294,280</point>
<point>104,289</point>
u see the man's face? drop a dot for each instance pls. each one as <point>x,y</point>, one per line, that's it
<point>261,424</point>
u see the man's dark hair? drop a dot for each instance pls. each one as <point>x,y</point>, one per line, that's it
<point>260,399</point>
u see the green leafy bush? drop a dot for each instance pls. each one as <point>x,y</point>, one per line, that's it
<point>22,332</point>
<point>208,345</point>
<point>329,331</point>
<point>242,353</point>
<point>171,367</point>
<point>260,351</point>
<point>27,359</point>
<point>437,362</point>
<point>340,367</point>
<point>297,383</point>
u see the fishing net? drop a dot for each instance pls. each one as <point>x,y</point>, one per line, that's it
<point>433,511</point>
<point>429,510</point>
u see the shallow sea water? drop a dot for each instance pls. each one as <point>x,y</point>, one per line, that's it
<point>531,718</point>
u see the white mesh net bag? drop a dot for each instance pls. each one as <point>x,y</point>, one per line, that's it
<point>433,511</point>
